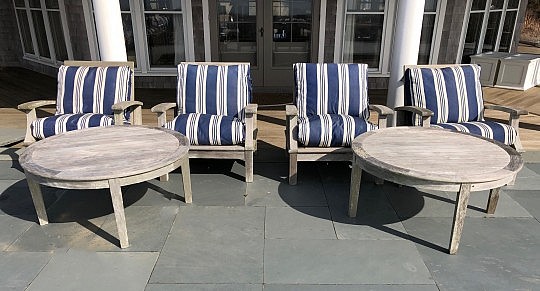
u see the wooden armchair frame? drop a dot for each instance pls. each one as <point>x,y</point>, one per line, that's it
<point>239,152</point>
<point>135,107</point>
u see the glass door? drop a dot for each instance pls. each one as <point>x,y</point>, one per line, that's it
<point>271,35</point>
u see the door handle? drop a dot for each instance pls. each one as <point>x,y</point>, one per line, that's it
<point>261,31</point>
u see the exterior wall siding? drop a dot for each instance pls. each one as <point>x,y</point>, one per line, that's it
<point>10,42</point>
<point>330,32</point>
<point>198,29</point>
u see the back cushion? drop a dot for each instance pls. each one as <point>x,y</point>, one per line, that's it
<point>331,89</point>
<point>214,89</point>
<point>454,94</point>
<point>83,89</point>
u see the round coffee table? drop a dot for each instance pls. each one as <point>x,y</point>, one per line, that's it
<point>435,159</point>
<point>105,157</point>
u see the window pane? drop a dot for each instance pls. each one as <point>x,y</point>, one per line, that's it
<point>129,38</point>
<point>508,31</point>
<point>428,24</point>
<point>365,5</point>
<point>491,31</point>
<point>165,36</point>
<point>34,3</point>
<point>513,4</point>
<point>41,35</point>
<point>363,38</point>
<point>58,36</point>
<point>19,3</point>
<point>496,4</point>
<point>430,6</point>
<point>51,4</point>
<point>473,35</point>
<point>160,5</point>
<point>25,32</point>
<point>478,5</point>
<point>124,5</point>
<point>238,31</point>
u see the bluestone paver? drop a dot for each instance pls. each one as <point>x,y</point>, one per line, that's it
<point>335,287</point>
<point>530,200</point>
<point>299,222</point>
<point>18,269</point>
<point>12,228</point>
<point>204,287</point>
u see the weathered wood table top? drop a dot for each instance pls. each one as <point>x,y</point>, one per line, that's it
<point>103,153</point>
<point>431,158</point>
<point>435,155</point>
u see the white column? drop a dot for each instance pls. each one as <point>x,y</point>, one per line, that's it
<point>110,32</point>
<point>405,48</point>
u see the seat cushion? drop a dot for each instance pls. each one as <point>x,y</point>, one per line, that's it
<point>83,89</point>
<point>329,130</point>
<point>52,125</point>
<point>453,93</point>
<point>489,129</point>
<point>208,129</point>
<point>214,89</point>
<point>331,89</point>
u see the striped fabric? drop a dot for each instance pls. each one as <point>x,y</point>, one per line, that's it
<point>329,130</point>
<point>454,94</point>
<point>214,89</point>
<point>493,130</point>
<point>208,129</point>
<point>52,125</point>
<point>331,89</point>
<point>83,89</point>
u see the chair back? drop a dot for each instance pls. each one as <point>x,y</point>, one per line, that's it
<point>214,88</point>
<point>93,87</point>
<point>452,92</point>
<point>331,89</point>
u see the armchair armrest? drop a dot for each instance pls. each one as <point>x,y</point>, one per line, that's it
<point>30,109</point>
<point>251,127</point>
<point>161,110</point>
<point>134,106</point>
<point>424,113</point>
<point>35,104</point>
<point>291,136</point>
<point>383,112</point>
<point>513,120</point>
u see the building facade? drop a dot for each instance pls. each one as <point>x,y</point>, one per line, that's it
<point>270,34</point>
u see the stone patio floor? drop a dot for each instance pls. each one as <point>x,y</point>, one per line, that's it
<point>268,235</point>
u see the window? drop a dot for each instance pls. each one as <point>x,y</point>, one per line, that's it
<point>155,34</point>
<point>42,29</point>
<point>367,33</point>
<point>490,27</point>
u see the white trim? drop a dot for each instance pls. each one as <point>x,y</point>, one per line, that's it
<point>387,37</point>
<point>137,21</point>
<point>322,31</point>
<point>31,28</point>
<point>188,30</point>
<point>437,34</point>
<point>340,22</point>
<point>65,28</point>
<point>206,27</point>
<point>90,31</point>
<point>466,19</point>
<point>48,32</point>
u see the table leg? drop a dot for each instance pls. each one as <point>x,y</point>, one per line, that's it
<point>356,178</point>
<point>118,206</point>
<point>37,198</point>
<point>186,179</point>
<point>459,216</point>
<point>493,200</point>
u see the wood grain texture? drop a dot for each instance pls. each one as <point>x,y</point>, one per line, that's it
<point>435,155</point>
<point>104,153</point>
<point>460,210</point>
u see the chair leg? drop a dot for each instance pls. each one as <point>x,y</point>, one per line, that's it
<point>293,168</point>
<point>518,146</point>
<point>248,159</point>
<point>164,178</point>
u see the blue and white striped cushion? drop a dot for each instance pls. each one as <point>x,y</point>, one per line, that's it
<point>83,89</point>
<point>214,89</point>
<point>208,129</point>
<point>493,130</point>
<point>331,89</point>
<point>52,125</point>
<point>329,130</point>
<point>454,94</point>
